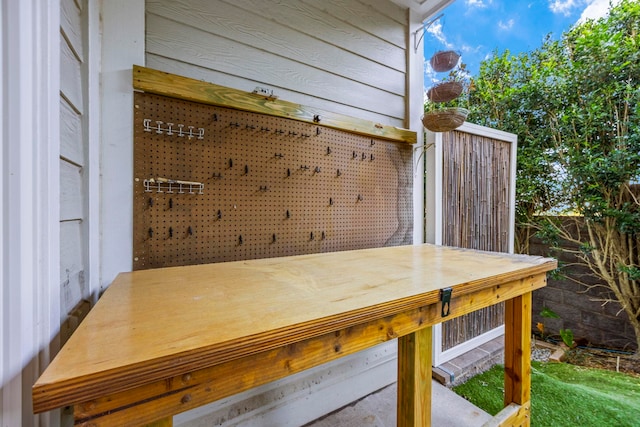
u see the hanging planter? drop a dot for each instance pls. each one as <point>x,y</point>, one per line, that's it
<point>444,60</point>
<point>445,120</point>
<point>445,91</point>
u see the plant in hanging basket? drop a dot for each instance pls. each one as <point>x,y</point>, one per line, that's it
<point>444,60</point>
<point>446,106</point>
<point>445,120</point>
<point>445,91</point>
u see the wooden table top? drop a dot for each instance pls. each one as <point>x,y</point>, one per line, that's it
<point>178,319</point>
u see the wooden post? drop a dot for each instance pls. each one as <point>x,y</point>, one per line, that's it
<point>517,352</point>
<point>414,379</point>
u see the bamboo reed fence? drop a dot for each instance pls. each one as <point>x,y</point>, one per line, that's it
<point>476,182</point>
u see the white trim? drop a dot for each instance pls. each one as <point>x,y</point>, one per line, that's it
<point>512,193</point>
<point>487,132</point>
<point>433,193</point>
<point>92,147</point>
<point>123,46</point>
<point>414,108</point>
<point>436,353</point>
<point>433,209</point>
<point>30,202</point>
<point>460,349</point>
<point>424,9</point>
<point>3,199</point>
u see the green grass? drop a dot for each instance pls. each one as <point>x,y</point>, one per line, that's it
<point>564,395</point>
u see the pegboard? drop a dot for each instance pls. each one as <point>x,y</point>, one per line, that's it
<point>214,184</point>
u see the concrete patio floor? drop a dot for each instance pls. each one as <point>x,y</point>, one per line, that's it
<point>379,410</point>
<point>448,409</point>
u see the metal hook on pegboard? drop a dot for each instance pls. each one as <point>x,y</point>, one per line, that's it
<point>146,123</point>
<point>161,184</point>
<point>274,159</point>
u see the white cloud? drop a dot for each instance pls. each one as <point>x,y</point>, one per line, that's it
<point>430,76</point>
<point>591,9</point>
<point>436,30</point>
<point>505,26</point>
<point>564,7</point>
<point>466,48</point>
<point>478,3</point>
<point>596,9</point>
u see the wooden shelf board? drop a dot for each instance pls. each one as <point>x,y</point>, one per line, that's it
<point>171,85</point>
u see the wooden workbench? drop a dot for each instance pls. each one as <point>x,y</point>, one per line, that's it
<point>160,342</point>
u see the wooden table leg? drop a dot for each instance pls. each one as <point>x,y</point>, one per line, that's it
<point>517,354</point>
<point>414,379</point>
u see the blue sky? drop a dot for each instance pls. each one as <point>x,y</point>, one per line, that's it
<point>475,28</point>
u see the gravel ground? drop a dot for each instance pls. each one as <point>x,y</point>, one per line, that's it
<point>540,354</point>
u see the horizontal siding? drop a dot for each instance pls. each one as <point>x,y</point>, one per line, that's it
<point>311,19</point>
<point>274,39</point>
<point>71,76</point>
<point>72,284</point>
<point>71,191</point>
<point>71,145</point>
<point>71,27</point>
<point>187,44</point>
<point>392,10</point>
<point>73,287</point>
<point>228,80</point>
<point>365,18</point>
<point>290,47</point>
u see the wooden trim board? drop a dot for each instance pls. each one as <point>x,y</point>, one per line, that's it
<point>171,85</point>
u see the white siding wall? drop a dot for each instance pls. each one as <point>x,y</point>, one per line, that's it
<point>346,56</point>
<point>73,157</point>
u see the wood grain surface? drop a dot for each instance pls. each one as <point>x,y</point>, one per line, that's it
<point>185,390</point>
<point>153,324</point>
<point>161,83</point>
<point>414,378</point>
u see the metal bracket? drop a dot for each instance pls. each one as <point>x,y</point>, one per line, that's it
<point>423,28</point>
<point>445,297</point>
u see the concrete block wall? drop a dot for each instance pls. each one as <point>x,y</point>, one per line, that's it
<point>580,306</point>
